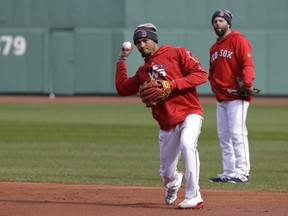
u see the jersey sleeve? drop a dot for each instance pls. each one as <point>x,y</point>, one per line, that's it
<point>125,85</point>
<point>244,58</point>
<point>193,71</point>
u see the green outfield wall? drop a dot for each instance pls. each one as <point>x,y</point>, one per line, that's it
<point>69,47</point>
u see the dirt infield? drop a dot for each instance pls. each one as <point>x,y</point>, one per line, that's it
<point>43,199</point>
<point>32,199</point>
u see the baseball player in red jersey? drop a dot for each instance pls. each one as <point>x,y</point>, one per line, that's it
<point>179,116</point>
<point>231,57</point>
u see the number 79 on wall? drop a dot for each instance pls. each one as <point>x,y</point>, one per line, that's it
<point>9,44</point>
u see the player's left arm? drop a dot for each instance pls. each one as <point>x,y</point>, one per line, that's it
<point>244,56</point>
<point>193,72</point>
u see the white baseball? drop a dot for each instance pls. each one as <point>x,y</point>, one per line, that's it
<point>52,96</point>
<point>127,45</point>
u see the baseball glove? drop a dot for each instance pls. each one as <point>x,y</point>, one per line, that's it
<point>244,91</point>
<point>154,91</point>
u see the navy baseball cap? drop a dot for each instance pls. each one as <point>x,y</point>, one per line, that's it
<point>225,14</point>
<point>146,30</point>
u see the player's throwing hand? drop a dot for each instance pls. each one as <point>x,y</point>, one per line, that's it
<point>126,49</point>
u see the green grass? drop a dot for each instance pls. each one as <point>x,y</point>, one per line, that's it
<point>268,136</point>
<point>117,144</point>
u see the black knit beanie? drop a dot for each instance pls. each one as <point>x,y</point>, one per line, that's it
<point>146,30</point>
<point>225,14</point>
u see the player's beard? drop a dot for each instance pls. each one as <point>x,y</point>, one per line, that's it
<point>221,31</point>
<point>145,53</point>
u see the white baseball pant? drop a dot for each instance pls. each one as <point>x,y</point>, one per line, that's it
<point>233,136</point>
<point>181,139</point>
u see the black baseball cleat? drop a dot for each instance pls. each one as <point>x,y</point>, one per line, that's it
<point>220,178</point>
<point>239,179</point>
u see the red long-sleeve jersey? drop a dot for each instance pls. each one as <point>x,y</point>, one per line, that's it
<point>183,71</point>
<point>230,58</point>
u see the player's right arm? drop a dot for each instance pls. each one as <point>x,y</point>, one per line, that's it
<point>125,86</point>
